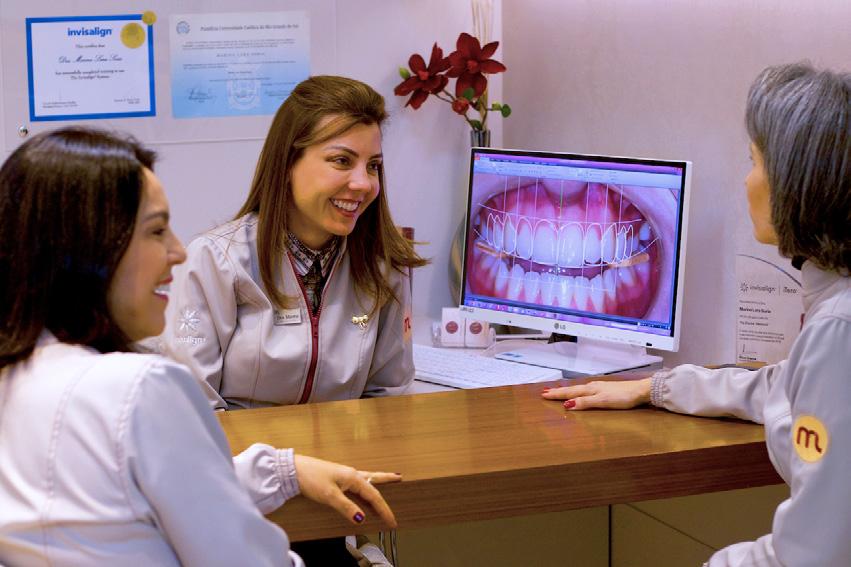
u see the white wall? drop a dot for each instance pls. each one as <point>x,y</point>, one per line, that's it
<point>665,79</point>
<point>426,150</point>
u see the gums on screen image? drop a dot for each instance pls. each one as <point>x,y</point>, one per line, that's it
<point>573,245</point>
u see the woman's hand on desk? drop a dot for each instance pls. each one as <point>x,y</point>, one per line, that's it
<point>325,482</point>
<point>607,395</point>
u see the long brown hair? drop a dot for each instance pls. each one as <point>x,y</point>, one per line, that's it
<point>68,205</point>
<point>375,243</point>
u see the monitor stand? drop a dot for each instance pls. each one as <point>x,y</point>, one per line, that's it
<point>585,357</point>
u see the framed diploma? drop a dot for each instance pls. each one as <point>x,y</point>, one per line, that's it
<point>236,64</point>
<point>90,67</point>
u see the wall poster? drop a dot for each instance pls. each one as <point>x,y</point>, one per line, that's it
<point>769,309</point>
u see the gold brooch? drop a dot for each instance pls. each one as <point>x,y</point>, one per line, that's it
<point>360,321</point>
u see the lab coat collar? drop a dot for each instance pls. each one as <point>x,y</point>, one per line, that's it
<point>816,282</point>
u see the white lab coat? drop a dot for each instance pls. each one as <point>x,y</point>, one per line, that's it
<point>812,527</point>
<point>117,459</point>
<point>221,324</point>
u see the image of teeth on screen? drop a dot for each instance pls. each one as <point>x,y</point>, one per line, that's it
<point>573,245</point>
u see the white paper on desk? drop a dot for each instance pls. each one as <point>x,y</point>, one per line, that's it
<point>769,309</point>
<point>90,67</point>
<point>236,64</point>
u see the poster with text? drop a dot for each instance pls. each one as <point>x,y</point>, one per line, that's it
<point>236,64</point>
<point>769,309</point>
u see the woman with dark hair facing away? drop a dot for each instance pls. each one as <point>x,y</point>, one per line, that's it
<point>111,457</point>
<point>305,296</point>
<point>799,197</point>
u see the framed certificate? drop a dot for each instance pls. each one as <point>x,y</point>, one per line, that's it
<point>236,64</point>
<point>90,67</point>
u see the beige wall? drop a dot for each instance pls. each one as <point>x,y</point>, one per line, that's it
<point>426,151</point>
<point>665,79</point>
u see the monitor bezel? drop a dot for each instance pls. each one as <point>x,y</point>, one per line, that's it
<point>668,342</point>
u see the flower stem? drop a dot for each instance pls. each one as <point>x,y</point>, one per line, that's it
<point>480,106</point>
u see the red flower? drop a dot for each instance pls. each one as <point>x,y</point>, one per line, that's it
<point>470,63</point>
<point>460,105</point>
<point>424,80</point>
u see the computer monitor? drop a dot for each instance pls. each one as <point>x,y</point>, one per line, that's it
<point>585,245</point>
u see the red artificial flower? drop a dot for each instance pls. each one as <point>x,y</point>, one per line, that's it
<point>460,105</point>
<point>424,80</point>
<point>470,63</point>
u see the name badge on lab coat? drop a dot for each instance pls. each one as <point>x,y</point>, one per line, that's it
<point>287,317</point>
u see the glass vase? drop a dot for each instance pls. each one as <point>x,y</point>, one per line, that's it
<point>478,139</point>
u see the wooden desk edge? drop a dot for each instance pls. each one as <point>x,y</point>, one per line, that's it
<point>520,492</point>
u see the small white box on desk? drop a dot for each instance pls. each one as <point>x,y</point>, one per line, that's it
<point>453,328</point>
<point>478,334</point>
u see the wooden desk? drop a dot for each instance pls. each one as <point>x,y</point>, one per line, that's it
<point>478,454</point>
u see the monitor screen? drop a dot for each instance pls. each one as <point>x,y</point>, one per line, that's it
<point>585,245</point>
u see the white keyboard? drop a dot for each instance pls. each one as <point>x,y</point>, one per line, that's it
<point>456,369</point>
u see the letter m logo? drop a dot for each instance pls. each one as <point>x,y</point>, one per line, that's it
<point>810,438</point>
<point>806,435</point>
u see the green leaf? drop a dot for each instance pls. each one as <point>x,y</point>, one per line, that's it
<point>496,106</point>
<point>506,111</point>
<point>476,124</point>
<point>404,73</point>
<point>468,93</point>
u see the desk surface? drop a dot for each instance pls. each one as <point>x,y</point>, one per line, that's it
<point>497,452</point>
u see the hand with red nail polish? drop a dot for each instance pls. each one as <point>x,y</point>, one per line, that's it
<point>624,394</point>
<point>326,482</point>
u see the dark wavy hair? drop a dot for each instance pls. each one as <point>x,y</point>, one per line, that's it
<point>375,242</point>
<point>68,205</point>
<point>800,120</point>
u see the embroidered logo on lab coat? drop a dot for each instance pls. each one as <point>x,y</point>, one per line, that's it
<point>189,321</point>
<point>187,327</point>
<point>810,438</point>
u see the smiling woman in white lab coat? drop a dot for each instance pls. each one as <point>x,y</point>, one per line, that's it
<point>305,296</point>
<point>799,196</point>
<point>109,457</point>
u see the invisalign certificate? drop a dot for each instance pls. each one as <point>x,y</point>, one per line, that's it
<point>769,312</point>
<point>90,67</point>
<point>236,64</point>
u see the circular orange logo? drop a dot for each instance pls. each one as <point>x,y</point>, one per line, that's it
<point>452,327</point>
<point>810,438</point>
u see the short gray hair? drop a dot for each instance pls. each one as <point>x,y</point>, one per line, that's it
<point>800,120</point>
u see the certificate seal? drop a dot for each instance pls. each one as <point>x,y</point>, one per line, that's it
<point>132,35</point>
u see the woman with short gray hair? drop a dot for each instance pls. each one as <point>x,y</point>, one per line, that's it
<point>799,197</point>
<point>797,117</point>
